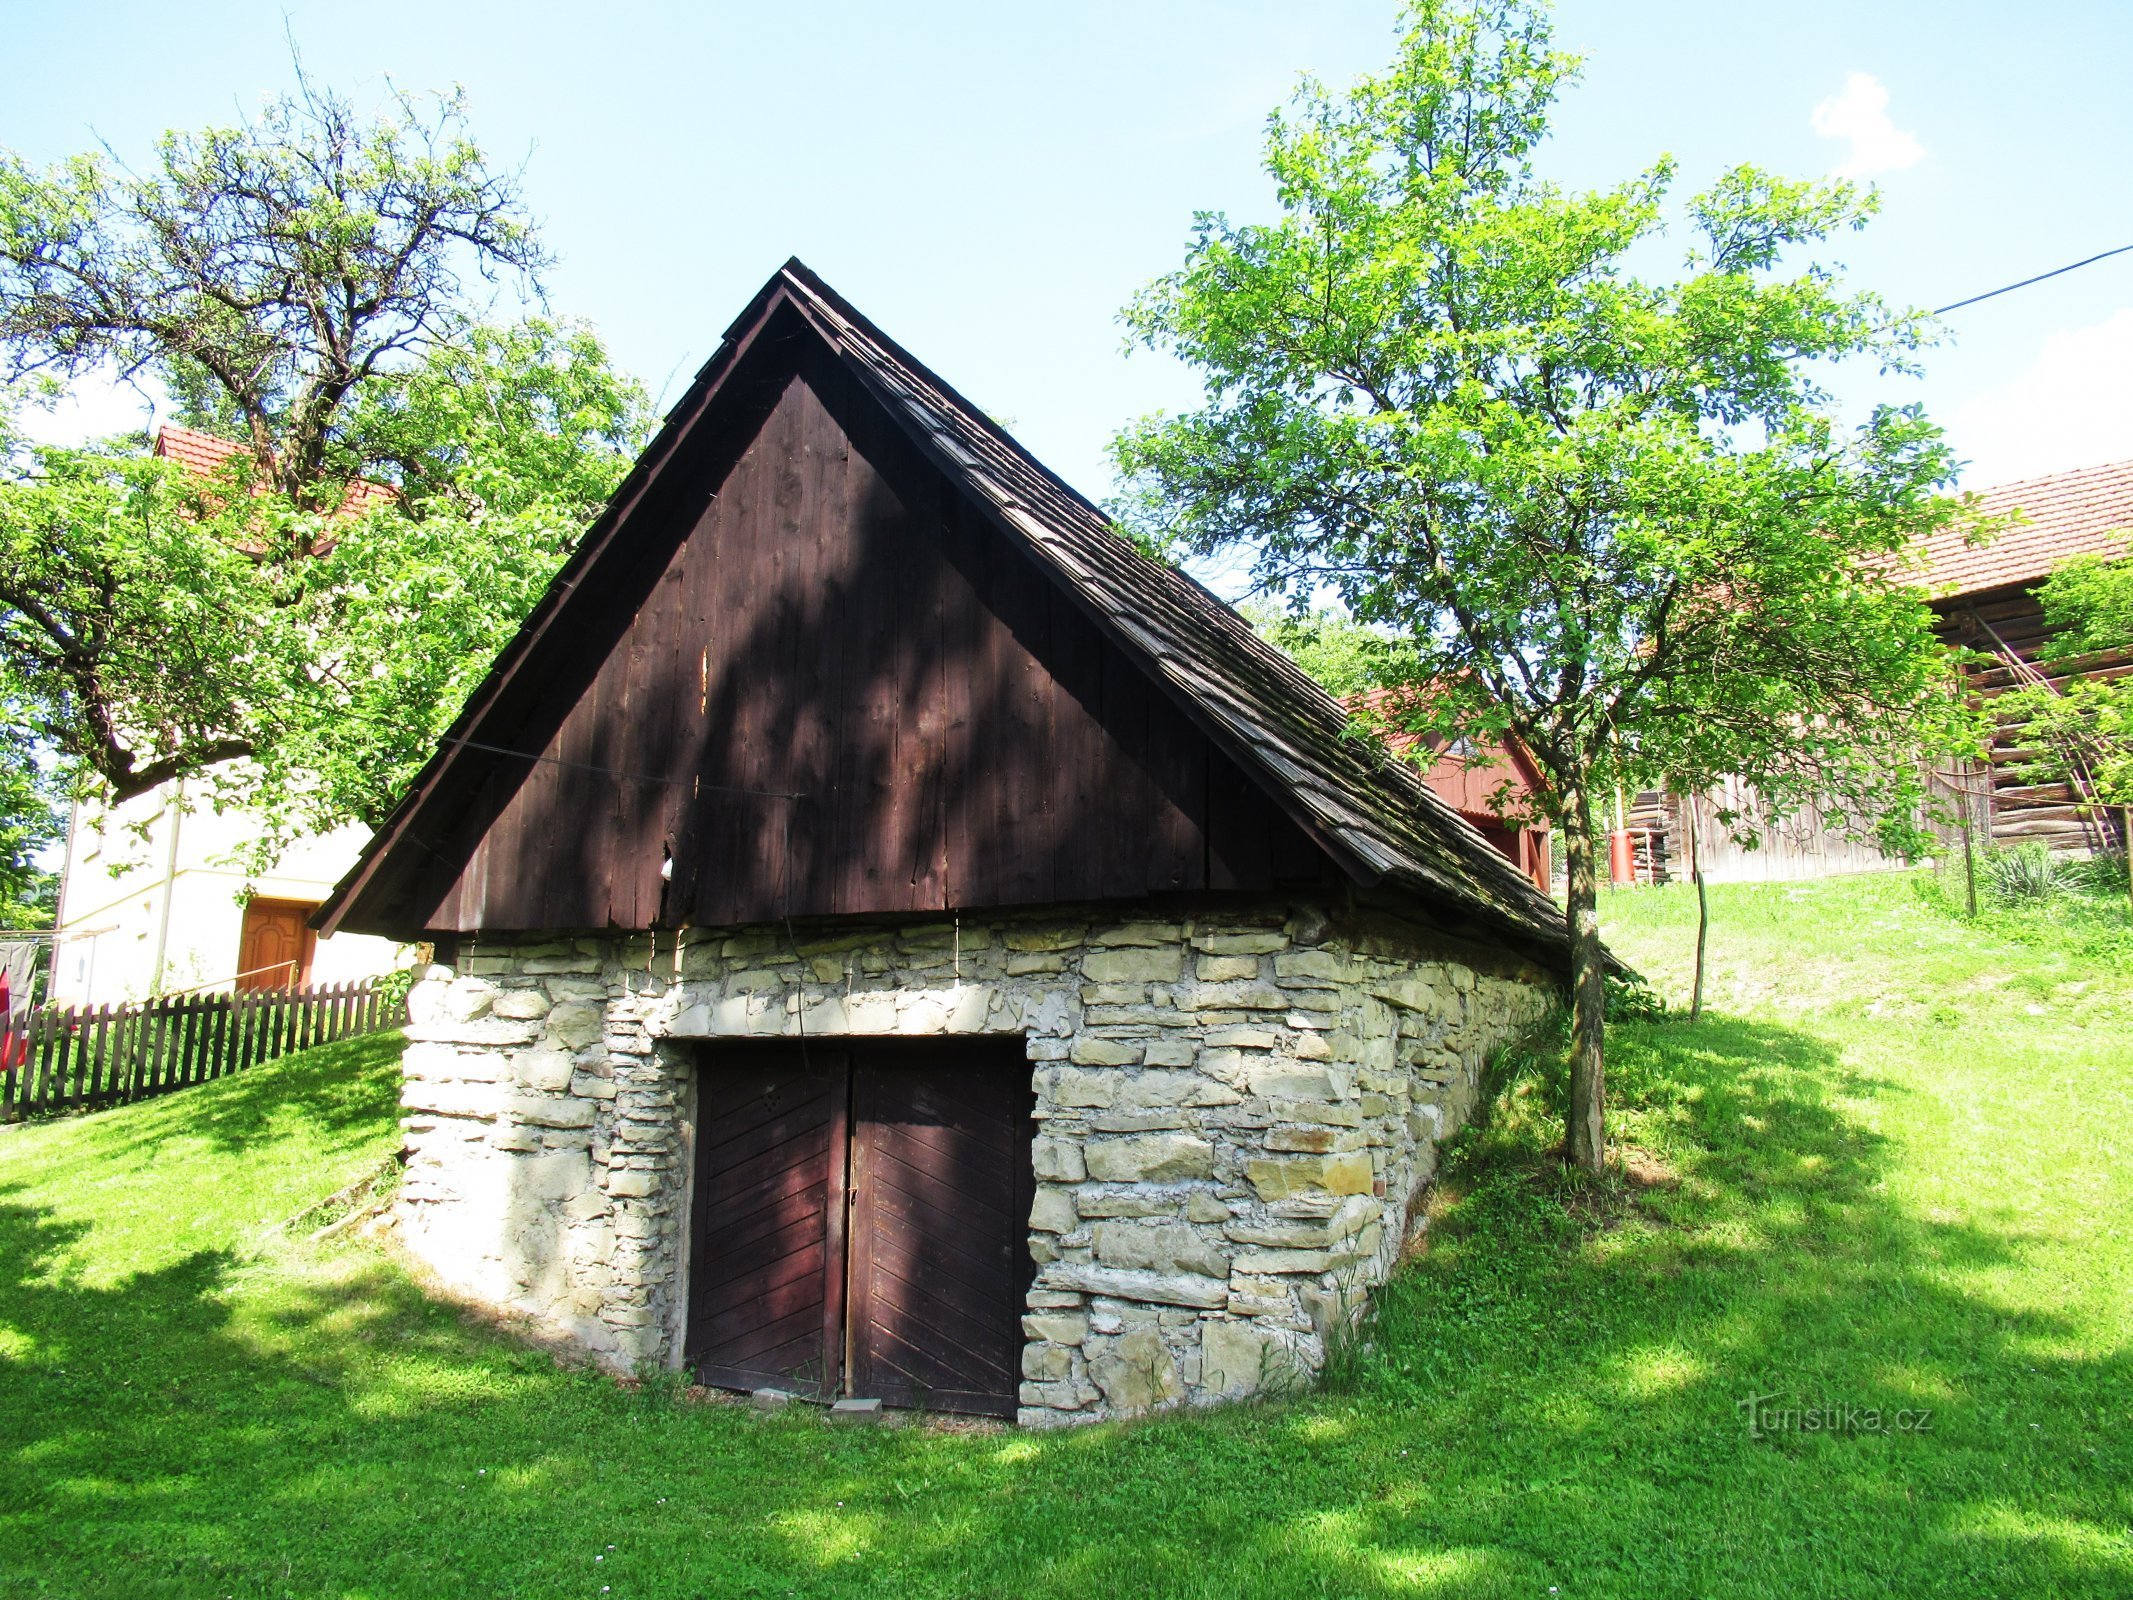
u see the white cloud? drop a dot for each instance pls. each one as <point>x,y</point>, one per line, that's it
<point>2072,408</point>
<point>1860,113</point>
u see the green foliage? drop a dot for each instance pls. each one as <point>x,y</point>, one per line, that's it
<point>1529,1065</point>
<point>124,585</point>
<point>31,820</point>
<point>1630,998</point>
<point>154,625</point>
<point>404,612</point>
<point>2085,912</point>
<point>2026,872</point>
<point>392,987</point>
<point>2103,874</point>
<point>2089,601</point>
<point>1340,653</point>
<point>2079,731</point>
<point>2043,874</point>
<point>1611,511</point>
<point>267,272</point>
<point>307,286</point>
<point>528,419</point>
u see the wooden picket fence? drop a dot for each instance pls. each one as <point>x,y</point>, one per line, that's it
<point>80,1058</point>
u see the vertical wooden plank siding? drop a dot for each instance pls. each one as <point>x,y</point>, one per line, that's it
<point>940,1200</point>
<point>866,816</point>
<point>770,1178</point>
<point>829,619</point>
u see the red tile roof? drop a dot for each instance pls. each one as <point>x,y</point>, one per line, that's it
<point>207,454</point>
<point>202,452</point>
<point>2083,512</point>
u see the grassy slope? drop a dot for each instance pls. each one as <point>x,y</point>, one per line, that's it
<point>1893,1172</point>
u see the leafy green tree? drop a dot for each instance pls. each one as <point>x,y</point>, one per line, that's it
<point>31,819</point>
<point>524,433</point>
<point>155,625</point>
<point>1345,657</point>
<point>266,273</point>
<point>136,628</point>
<point>2079,729</point>
<point>310,286</point>
<point>1611,511</point>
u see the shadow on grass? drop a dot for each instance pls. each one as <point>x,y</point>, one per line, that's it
<point>1546,1403</point>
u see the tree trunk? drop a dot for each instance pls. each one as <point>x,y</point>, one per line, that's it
<point>1703,914</point>
<point>1585,1137</point>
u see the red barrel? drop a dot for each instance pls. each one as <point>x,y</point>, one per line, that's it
<point>1621,857</point>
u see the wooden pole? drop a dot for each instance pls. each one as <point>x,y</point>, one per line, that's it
<point>1703,914</point>
<point>1969,862</point>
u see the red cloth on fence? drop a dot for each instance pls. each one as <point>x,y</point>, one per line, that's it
<point>12,1049</point>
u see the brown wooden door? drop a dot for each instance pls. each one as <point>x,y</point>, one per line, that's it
<point>941,1186</point>
<point>910,1290</point>
<point>274,948</point>
<point>766,1301</point>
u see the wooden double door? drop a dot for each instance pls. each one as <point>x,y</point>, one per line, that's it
<point>861,1221</point>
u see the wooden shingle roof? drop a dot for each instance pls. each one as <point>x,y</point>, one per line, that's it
<point>1372,814</point>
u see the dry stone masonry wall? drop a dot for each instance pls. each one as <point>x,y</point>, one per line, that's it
<point>1235,1112</point>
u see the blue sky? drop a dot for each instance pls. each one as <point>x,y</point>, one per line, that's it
<point>992,181</point>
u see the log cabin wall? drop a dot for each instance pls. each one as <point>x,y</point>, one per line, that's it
<point>2008,624</point>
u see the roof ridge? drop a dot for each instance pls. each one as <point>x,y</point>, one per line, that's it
<point>2061,476</point>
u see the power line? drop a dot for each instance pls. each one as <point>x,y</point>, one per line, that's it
<point>2026,282</point>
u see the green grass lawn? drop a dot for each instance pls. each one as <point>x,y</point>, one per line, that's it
<point>1891,1171</point>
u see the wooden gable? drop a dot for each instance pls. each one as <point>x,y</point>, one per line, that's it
<point>838,645</point>
<point>813,679</point>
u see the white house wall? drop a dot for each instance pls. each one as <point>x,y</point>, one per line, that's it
<point>120,873</point>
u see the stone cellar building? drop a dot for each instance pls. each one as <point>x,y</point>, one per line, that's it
<point>894,940</point>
